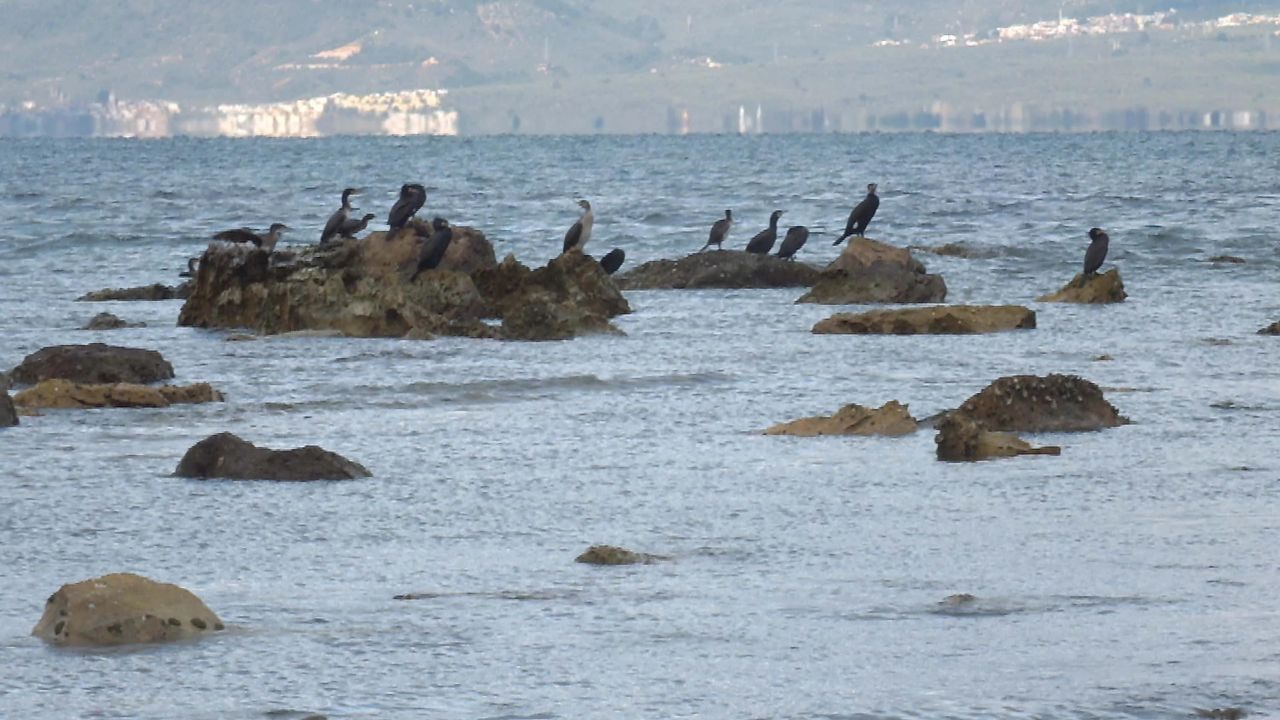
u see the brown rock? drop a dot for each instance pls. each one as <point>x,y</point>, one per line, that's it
<point>64,394</point>
<point>1228,259</point>
<point>1097,289</point>
<point>868,271</point>
<point>1272,329</point>
<point>95,363</point>
<point>1052,403</point>
<point>8,413</point>
<point>719,269</point>
<point>960,438</point>
<point>107,321</point>
<point>226,456</point>
<point>156,291</point>
<point>123,608</point>
<point>946,320</point>
<point>469,250</point>
<point>892,419</point>
<point>610,555</point>
<point>569,297</point>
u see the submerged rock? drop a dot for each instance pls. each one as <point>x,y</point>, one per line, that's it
<point>120,609</point>
<point>568,297</point>
<point>1050,403</point>
<point>8,413</point>
<point>155,291</point>
<point>719,269</point>
<point>868,271</point>
<point>1272,329</point>
<point>611,555</point>
<point>107,321</point>
<point>892,419</point>
<point>1227,259</point>
<point>960,438</point>
<point>94,363</point>
<point>227,456</point>
<point>64,394</point>
<point>1098,289</point>
<point>953,320</point>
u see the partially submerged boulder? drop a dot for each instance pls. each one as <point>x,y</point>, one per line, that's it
<point>611,555</point>
<point>960,439</point>
<point>8,413</point>
<point>892,419</point>
<point>65,394</point>
<point>120,609</point>
<point>107,321</point>
<point>1050,403</point>
<point>950,320</point>
<point>156,291</point>
<point>1272,329</point>
<point>1095,289</point>
<point>719,269</point>
<point>227,456</point>
<point>570,296</point>
<point>868,271</point>
<point>94,363</point>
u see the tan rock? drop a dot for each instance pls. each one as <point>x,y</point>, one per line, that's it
<point>65,394</point>
<point>611,555</point>
<point>123,608</point>
<point>892,419</point>
<point>868,271</point>
<point>1098,289</point>
<point>960,438</point>
<point>951,320</point>
<point>1272,329</point>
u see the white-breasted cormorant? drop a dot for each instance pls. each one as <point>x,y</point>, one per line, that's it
<point>763,242</point>
<point>245,235</point>
<point>797,236</point>
<point>719,231</point>
<point>412,197</point>
<point>1097,252</point>
<point>433,249</point>
<point>353,226</point>
<point>612,260</point>
<point>339,216</point>
<point>580,232</point>
<point>861,215</point>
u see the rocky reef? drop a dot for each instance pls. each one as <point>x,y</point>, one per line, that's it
<point>719,269</point>
<point>1096,289</point>
<point>122,609</point>
<point>949,320</point>
<point>868,271</point>
<point>892,419</point>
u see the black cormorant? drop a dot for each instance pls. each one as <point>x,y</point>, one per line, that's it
<point>612,260</point>
<point>861,215</point>
<point>339,216</point>
<point>353,226</point>
<point>580,232</point>
<point>434,248</point>
<point>796,237</point>
<point>412,197</point>
<point>763,242</point>
<point>191,268</point>
<point>719,231</point>
<point>1097,252</point>
<point>245,235</point>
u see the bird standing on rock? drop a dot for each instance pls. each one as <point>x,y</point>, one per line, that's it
<point>580,232</point>
<point>339,216</point>
<point>861,215</point>
<point>719,231</point>
<point>1097,252</point>
<point>763,242</point>
<point>245,235</point>
<point>612,260</point>
<point>412,197</point>
<point>797,236</point>
<point>434,248</point>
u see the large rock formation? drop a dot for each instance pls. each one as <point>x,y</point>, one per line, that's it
<point>8,413</point>
<point>719,269</point>
<point>892,419</point>
<point>95,363</point>
<point>123,608</point>
<point>868,271</point>
<point>227,456</point>
<point>469,250</point>
<point>570,296</point>
<point>1096,289</point>
<point>1052,403</point>
<point>952,320</point>
<point>156,291</point>
<point>65,394</point>
<point>612,555</point>
<point>961,438</point>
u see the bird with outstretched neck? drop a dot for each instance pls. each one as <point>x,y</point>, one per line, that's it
<point>861,216</point>
<point>245,235</point>
<point>763,242</point>
<point>719,231</point>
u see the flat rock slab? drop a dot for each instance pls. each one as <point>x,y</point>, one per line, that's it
<point>1096,289</point>
<point>961,439</point>
<point>64,394</point>
<point>155,291</point>
<point>1050,403</point>
<point>611,555</point>
<point>948,320</point>
<point>227,456</point>
<point>869,271</point>
<point>121,609</point>
<point>891,419</point>
<point>719,269</point>
<point>94,363</point>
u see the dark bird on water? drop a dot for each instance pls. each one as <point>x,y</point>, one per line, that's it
<point>245,235</point>
<point>353,226</point>
<point>797,236</point>
<point>339,216</point>
<point>1097,252</point>
<point>719,231</point>
<point>434,248</point>
<point>861,215</point>
<point>191,268</point>
<point>763,242</point>
<point>412,197</point>
<point>612,260</point>
<point>580,232</point>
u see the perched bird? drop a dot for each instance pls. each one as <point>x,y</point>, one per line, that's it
<point>580,232</point>
<point>719,231</point>
<point>861,215</point>
<point>796,237</point>
<point>412,197</point>
<point>339,216</point>
<point>191,268</point>
<point>763,242</point>
<point>612,260</point>
<point>1097,252</point>
<point>434,248</point>
<point>353,226</point>
<point>245,235</point>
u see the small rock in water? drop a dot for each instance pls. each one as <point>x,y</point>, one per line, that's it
<point>107,321</point>
<point>1272,329</point>
<point>891,419</point>
<point>611,555</point>
<point>1229,259</point>
<point>1103,358</point>
<point>226,456</point>
<point>1098,289</point>
<point>1230,713</point>
<point>959,599</point>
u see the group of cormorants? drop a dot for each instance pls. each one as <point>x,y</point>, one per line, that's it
<point>797,235</point>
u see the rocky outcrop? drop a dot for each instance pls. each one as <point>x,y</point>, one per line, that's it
<point>123,608</point>
<point>94,363</point>
<point>868,271</point>
<point>568,297</point>
<point>961,438</point>
<point>952,320</point>
<point>1052,403</point>
<point>8,413</point>
<point>227,456</point>
<point>719,269</point>
<point>610,555</point>
<point>1272,329</point>
<point>892,419</point>
<point>65,394</point>
<point>156,291</point>
<point>1096,289</point>
<point>107,321</point>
